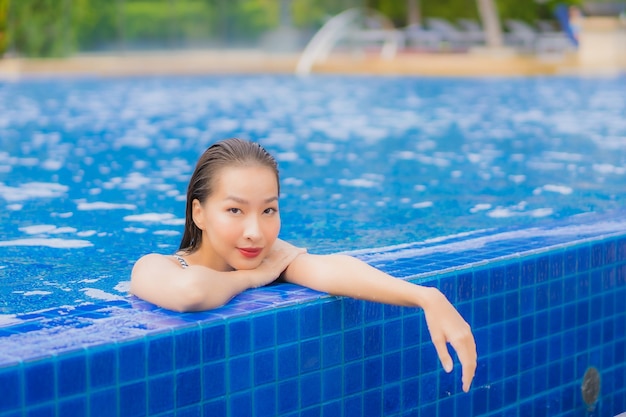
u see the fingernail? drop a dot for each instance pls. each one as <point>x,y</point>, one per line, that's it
<point>448,367</point>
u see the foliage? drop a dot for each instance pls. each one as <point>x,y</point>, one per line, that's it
<point>452,10</point>
<point>4,30</point>
<point>44,28</point>
<point>60,27</point>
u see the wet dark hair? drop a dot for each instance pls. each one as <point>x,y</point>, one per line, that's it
<point>232,152</point>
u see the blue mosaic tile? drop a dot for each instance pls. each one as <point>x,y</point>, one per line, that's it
<point>133,399</point>
<point>392,368</point>
<point>310,355</point>
<point>242,343</point>
<point>103,403</point>
<point>392,335</point>
<point>213,343</point>
<point>289,363</point>
<point>391,399</point>
<point>132,362</point>
<point>160,354</point>
<point>10,381</point>
<point>76,406</point>
<point>332,384</point>
<point>161,394</point>
<point>353,378</point>
<point>71,375</point>
<point>240,405</point>
<point>240,371</point>
<point>214,377</point>
<point>310,389</point>
<point>187,350</point>
<point>353,345</point>
<point>287,325</point>
<point>310,321</point>
<point>332,350</point>
<point>217,407</point>
<point>288,396</point>
<point>264,367</point>
<point>265,401</point>
<point>188,387</point>
<point>373,369</point>
<point>39,382</point>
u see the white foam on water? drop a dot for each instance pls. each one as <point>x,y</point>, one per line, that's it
<point>608,169</point>
<point>137,230</point>
<point>149,217</point>
<point>100,294</point>
<point>480,207</point>
<point>14,207</point>
<point>48,242</point>
<point>37,229</point>
<point>167,233</point>
<point>286,156</point>
<point>32,190</point>
<point>123,287</point>
<point>9,320</point>
<point>358,182</point>
<point>86,233</point>
<point>321,147</point>
<point>102,205</point>
<point>63,215</point>
<point>517,179</point>
<point>292,181</point>
<point>36,292</point>
<point>560,189</point>
<point>132,141</point>
<point>423,204</point>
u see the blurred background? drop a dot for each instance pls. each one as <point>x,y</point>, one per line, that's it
<point>62,28</point>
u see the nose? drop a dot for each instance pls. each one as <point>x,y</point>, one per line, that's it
<point>252,229</point>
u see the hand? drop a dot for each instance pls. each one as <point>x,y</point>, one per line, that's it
<point>279,258</point>
<point>446,325</point>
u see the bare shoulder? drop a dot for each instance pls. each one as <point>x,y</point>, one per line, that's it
<point>153,263</point>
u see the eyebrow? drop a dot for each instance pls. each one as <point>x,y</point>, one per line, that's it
<point>244,201</point>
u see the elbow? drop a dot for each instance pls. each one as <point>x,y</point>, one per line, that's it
<point>192,296</point>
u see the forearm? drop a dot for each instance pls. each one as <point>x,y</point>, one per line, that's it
<point>348,276</point>
<point>205,291</point>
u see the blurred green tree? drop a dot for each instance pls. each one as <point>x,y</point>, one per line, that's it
<point>4,29</point>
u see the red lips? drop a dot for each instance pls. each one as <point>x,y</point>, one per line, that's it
<point>250,252</point>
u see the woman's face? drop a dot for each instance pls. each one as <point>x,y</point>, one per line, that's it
<point>240,220</point>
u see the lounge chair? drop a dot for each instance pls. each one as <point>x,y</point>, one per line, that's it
<point>472,29</point>
<point>450,34</point>
<point>525,37</point>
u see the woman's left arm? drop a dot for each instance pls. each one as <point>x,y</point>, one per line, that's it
<point>347,276</point>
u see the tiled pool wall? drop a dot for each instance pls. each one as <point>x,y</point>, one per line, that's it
<point>540,321</point>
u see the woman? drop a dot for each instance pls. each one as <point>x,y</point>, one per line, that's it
<point>230,244</point>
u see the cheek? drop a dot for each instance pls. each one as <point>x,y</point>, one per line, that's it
<point>226,227</point>
<point>271,229</point>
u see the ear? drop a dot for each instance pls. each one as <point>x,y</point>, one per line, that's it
<point>197,212</point>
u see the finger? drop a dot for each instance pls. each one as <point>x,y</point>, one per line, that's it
<point>442,352</point>
<point>467,356</point>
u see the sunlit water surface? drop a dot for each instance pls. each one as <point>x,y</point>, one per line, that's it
<point>93,172</point>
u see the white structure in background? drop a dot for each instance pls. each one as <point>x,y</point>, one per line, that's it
<point>358,26</point>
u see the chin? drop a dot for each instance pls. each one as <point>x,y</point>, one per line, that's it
<point>246,265</point>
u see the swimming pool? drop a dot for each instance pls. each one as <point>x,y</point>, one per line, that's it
<point>456,182</point>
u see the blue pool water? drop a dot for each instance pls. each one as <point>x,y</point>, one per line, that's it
<point>506,193</point>
<point>93,173</point>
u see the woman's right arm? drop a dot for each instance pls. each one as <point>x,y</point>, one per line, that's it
<point>157,279</point>
<point>161,281</point>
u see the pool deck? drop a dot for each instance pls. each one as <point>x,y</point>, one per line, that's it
<point>199,62</point>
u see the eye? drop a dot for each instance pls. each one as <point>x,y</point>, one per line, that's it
<point>234,210</point>
<point>270,210</point>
